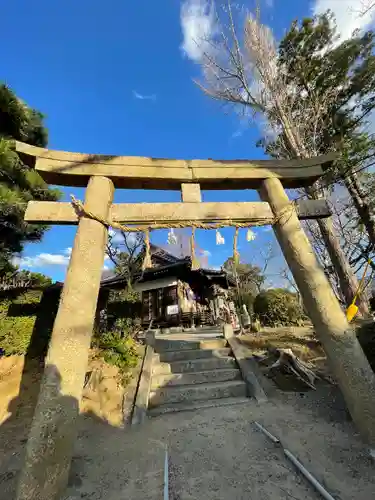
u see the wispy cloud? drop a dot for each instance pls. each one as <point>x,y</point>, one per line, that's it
<point>144,97</point>
<point>237,133</point>
<point>46,260</point>
<point>348,15</point>
<point>198,24</point>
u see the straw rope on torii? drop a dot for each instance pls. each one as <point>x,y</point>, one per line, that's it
<point>81,211</point>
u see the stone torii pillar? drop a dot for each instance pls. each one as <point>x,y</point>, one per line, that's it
<point>347,360</point>
<point>53,429</point>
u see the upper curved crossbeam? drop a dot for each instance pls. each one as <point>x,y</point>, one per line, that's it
<point>138,172</point>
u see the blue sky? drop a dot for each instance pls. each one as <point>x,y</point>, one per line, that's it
<point>113,78</point>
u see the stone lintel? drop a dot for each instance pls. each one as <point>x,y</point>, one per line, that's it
<point>50,212</point>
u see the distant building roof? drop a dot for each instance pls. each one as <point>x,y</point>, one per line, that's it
<point>180,269</point>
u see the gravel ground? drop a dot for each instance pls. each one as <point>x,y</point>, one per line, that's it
<point>218,454</point>
<point>213,453</point>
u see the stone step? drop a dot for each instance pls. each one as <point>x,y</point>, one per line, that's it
<point>204,329</point>
<point>178,379</point>
<point>194,365</point>
<point>180,394</point>
<point>204,334</point>
<point>187,354</point>
<point>196,405</point>
<point>163,345</point>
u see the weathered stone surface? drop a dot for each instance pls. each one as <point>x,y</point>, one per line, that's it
<point>191,193</point>
<point>141,402</point>
<point>197,392</point>
<point>348,362</point>
<point>248,369</point>
<point>49,449</point>
<point>186,354</point>
<point>74,169</point>
<point>199,365</point>
<point>194,406</point>
<point>160,213</point>
<point>164,345</point>
<point>176,379</point>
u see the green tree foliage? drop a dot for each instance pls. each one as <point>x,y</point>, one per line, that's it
<point>337,80</point>
<point>278,306</point>
<point>250,281</point>
<point>19,183</point>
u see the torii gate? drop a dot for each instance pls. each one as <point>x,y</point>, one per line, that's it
<point>50,445</point>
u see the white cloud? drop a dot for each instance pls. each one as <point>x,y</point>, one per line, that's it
<point>47,259</point>
<point>44,259</point>
<point>206,253</point>
<point>144,97</point>
<point>198,24</point>
<point>348,15</point>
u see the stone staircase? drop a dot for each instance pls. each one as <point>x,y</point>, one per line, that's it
<point>191,370</point>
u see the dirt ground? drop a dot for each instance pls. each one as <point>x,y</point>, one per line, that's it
<point>303,343</point>
<point>213,453</point>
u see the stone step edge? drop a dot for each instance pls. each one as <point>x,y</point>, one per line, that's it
<point>195,405</point>
<point>220,350</point>
<point>200,360</point>
<point>207,385</point>
<point>202,372</point>
<point>188,343</point>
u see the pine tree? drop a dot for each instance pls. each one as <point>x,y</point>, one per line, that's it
<point>19,183</point>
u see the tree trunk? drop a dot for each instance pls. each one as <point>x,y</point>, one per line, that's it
<point>361,204</point>
<point>347,278</point>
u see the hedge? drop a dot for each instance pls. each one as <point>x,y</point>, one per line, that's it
<point>26,321</point>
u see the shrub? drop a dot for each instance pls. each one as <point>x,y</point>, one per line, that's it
<point>17,321</point>
<point>278,306</point>
<point>117,349</point>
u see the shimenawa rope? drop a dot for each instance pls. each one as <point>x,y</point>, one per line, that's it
<point>81,211</point>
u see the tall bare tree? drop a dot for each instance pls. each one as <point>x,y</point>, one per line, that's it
<point>366,7</point>
<point>125,252</point>
<point>242,68</point>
